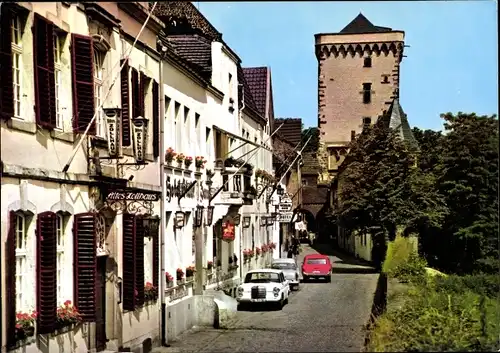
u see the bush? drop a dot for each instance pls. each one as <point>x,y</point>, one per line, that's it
<point>402,261</point>
<point>482,284</point>
<point>437,321</point>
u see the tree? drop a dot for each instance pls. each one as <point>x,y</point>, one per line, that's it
<point>469,183</point>
<point>313,145</point>
<point>381,187</point>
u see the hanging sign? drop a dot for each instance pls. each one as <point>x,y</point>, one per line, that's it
<point>285,217</point>
<point>119,195</point>
<point>285,204</point>
<point>140,132</point>
<point>228,231</point>
<point>113,131</point>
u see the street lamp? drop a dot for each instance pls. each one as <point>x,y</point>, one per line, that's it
<point>179,219</point>
<point>246,222</point>
<point>210,215</point>
<point>280,190</point>
<point>198,216</point>
<point>151,225</point>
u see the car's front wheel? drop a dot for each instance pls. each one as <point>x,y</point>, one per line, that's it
<point>329,279</point>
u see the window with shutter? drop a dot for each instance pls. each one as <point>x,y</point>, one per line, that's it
<point>156,120</point>
<point>82,53</point>
<point>10,280</point>
<point>6,67</point>
<point>85,263</point>
<point>128,262</point>
<point>125,93</point>
<point>139,261</point>
<point>45,96</point>
<point>46,272</point>
<point>136,100</point>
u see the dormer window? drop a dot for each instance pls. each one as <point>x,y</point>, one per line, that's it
<point>367,62</point>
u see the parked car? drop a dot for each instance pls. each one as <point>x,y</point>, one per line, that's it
<point>290,270</point>
<point>264,286</point>
<point>317,266</point>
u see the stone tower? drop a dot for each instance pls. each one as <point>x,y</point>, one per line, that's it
<point>358,78</point>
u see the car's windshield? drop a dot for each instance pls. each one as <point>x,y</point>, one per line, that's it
<point>262,277</point>
<point>284,266</point>
<point>316,261</point>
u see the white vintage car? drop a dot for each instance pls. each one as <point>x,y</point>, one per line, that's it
<point>290,270</point>
<point>264,286</point>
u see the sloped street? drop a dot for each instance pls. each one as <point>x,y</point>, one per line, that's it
<point>320,317</point>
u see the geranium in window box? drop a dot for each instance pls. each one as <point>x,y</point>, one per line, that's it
<point>199,162</point>
<point>272,245</point>
<point>150,292</point>
<point>170,279</point>
<point>265,248</point>
<point>67,315</point>
<point>188,161</point>
<point>25,324</point>
<point>258,251</point>
<point>190,270</point>
<point>179,274</point>
<point>170,155</point>
<point>180,159</point>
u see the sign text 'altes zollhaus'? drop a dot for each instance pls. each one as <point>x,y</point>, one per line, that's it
<point>131,196</point>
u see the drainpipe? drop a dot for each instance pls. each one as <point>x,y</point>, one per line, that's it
<point>161,243</point>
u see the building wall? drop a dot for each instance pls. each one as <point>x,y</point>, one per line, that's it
<point>33,159</point>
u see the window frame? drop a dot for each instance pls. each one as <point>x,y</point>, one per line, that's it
<point>99,61</point>
<point>21,253</point>
<point>61,223</point>
<point>17,63</point>
<point>367,61</point>
<point>58,72</point>
<point>367,93</point>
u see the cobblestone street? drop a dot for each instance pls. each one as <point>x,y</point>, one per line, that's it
<point>321,317</point>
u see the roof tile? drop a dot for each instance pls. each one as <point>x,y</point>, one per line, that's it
<point>256,78</point>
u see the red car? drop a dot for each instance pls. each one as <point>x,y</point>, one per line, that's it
<point>317,266</point>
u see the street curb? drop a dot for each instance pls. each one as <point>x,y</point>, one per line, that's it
<point>378,307</point>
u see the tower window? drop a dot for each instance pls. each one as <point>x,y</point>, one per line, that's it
<point>367,62</point>
<point>353,135</point>
<point>367,93</point>
<point>385,78</point>
<point>367,121</point>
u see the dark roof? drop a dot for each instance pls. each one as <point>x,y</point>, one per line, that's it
<point>245,92</point>
<point>310,163</point>
<point>311,194</point>
<point>256,78</point>
<point>291,130</point>
<point>396,119</point>
<point>362,25</point>
<point>195,49</point>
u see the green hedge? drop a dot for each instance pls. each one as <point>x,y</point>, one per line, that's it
<point>402,261</point>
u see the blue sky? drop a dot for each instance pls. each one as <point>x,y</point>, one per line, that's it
<point>451,64</point>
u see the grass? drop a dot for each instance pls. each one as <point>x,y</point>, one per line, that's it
<point>437,313</point>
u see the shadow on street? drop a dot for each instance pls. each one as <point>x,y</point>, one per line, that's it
<point>344,263</point>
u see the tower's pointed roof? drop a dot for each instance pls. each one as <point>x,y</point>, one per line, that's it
<point>396,119</point>
<point>362,25</point>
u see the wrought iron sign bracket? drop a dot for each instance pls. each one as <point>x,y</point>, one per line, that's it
<point>186,192</point>
<point>263,188</point>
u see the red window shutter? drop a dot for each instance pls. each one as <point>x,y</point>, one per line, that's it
<point>128,252</point>
<point>85,264</point>
<point>125,93</point>
<point>156,120</point>
<point>139,261</point>
<point>46,272</point>
<point>45,86</point>
<point>82,54</point>
<point>142,95</point>
<point>156,257</point>
<point>10,280</point>
<point>136,111</point>
<point>6,79</point>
